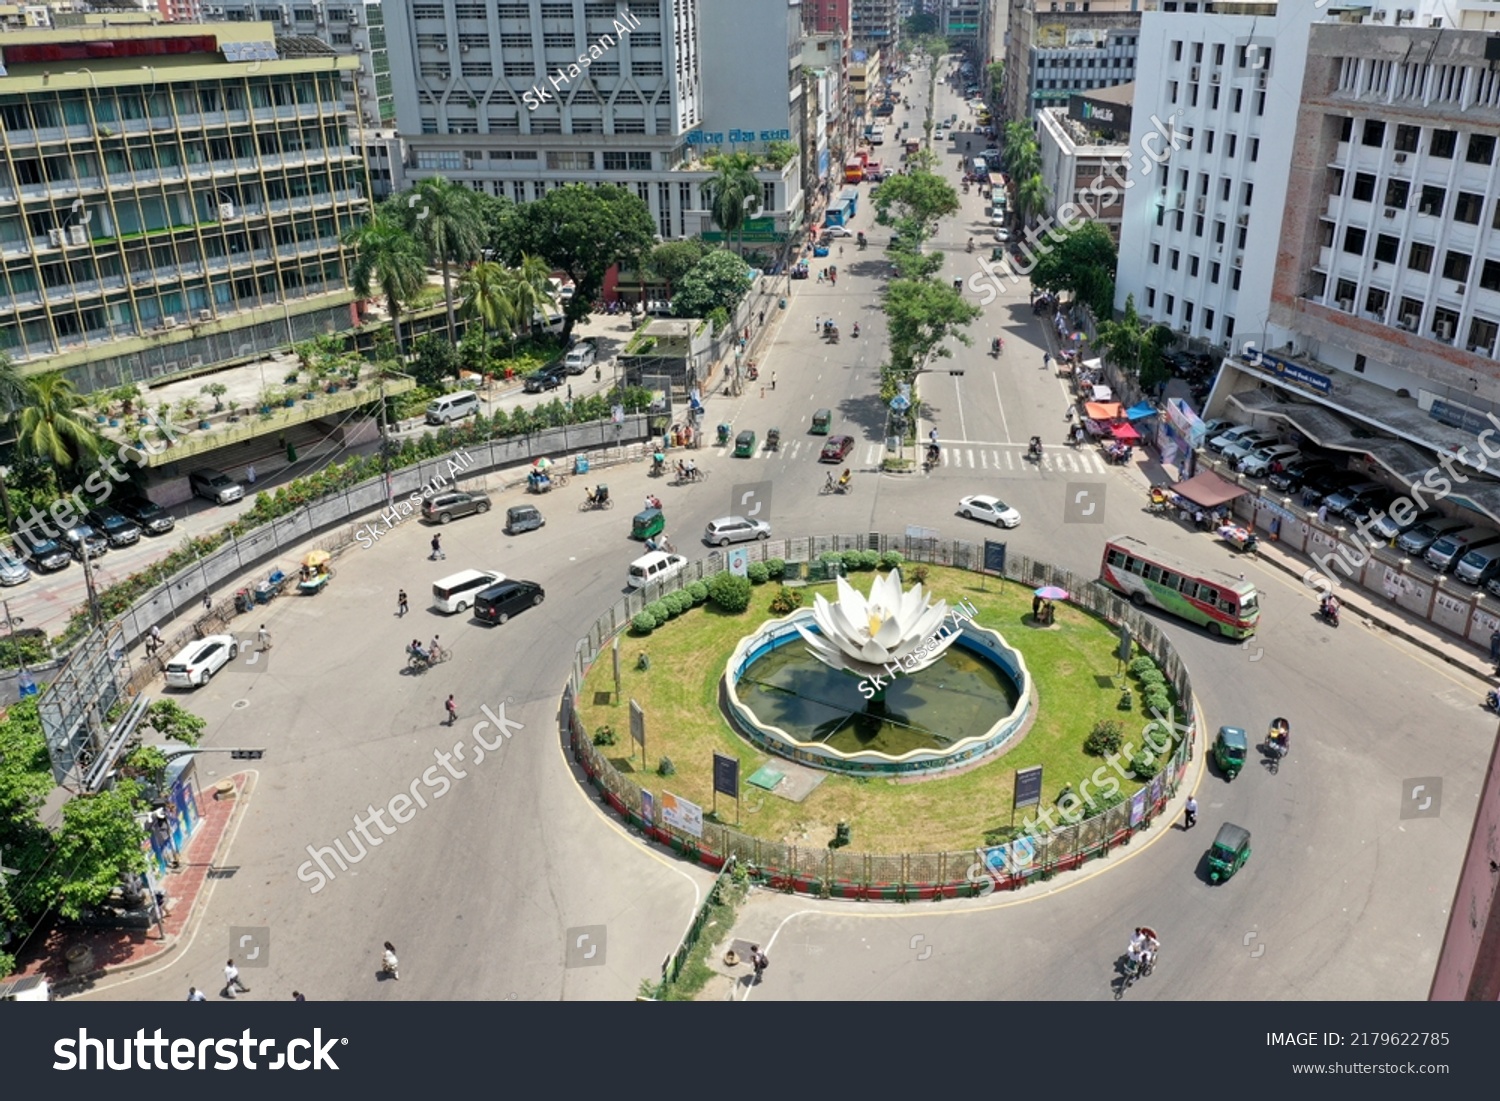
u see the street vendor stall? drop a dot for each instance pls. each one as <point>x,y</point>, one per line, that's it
<point>1209,495</point>
<point>315,573</point>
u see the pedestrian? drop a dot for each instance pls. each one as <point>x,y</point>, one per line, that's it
<point>208,602</point>
<point>1036,607</point>
<point>1198,519</point>
<point>452,708</point>
<point>1323,514</point>
<point>1046,360</point>
<point>773,380</point>
<point>401,607</point>
<point>153,640</point>
<point>1495,644</point>
<point>820,275</point>
<point>437,548</point>
<point>762,317</point>
<point>263,638</point>
<point>759,962</point>
<point>196,995</point>
<point>1190,813</point>
<point>570,391</point>
<point>232,980</point>
<point>250,473</point>
<point>298,996</point>
<point>817,324</point>
<point>437,650</point>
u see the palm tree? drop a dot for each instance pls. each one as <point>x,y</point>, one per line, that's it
<point>444,217</point>
<point>389,262</point>
<point>1032,194</point>
<point>733,192</point>
<point>529,292</point>
<point>50,429</point>
<point>15,395</point>
<point>483,294</point>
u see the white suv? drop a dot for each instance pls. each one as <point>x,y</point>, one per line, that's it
<point>1258,463</point>
<point>196,664</point>
<point>581,358</point>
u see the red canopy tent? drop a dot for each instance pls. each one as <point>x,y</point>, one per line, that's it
<point>1124,432</point>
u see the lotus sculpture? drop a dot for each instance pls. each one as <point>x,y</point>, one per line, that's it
<point>867,635</point>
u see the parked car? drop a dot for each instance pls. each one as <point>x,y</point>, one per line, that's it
<point>1218,443</point>
<point>1325,484</point>
<point>80,538</point>
<point>548,378</point>
<point>1242,446</point>
<point>195,665</point>
<point>1259,462</point>
<point>735,529</point>
<point>1391,526</point>
<point>939,135</point>
<point>1370,501</point>
<point>990,509</point>
<point>497,604</point>
<point>41,552</point>
<point>1217,426</point>
<point>454,504</point>
<point>154,519</point>
<point>581,358</point>
<point>1340,499</point>
<point>215,485</point>
<point>1002,235</point>
<point>118,529</point>
<point>1419,539</point>
<point>1292,476</point>
<point>12,570</point>
<point>836,448</point>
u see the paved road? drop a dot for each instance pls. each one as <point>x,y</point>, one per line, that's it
<point>480,888</point>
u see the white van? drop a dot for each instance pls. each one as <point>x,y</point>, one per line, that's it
<point>452,407</point>
<point>552,323</point>
<point>656,566</point>
<point>457,593</point>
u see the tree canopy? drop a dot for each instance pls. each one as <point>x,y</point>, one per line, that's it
<point>717,282</point>
<point>1080,262</point>
<point>1136,346</point>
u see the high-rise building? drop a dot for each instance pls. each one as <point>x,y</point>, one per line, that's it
<point>172,195</point>
<point>875,25</point>
<point>1053,49</point>
<point>966,25</point>
<point>825,16</point>
<point>524,96</point>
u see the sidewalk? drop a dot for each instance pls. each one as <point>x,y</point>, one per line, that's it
<point>117,950</point>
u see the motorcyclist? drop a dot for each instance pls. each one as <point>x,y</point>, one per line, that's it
<point>995,346</point>
<point>856,328</point>
<point>1330,606</point>
<point>416,651</point>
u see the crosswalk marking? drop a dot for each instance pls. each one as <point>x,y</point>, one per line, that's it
<point>1006,459</point>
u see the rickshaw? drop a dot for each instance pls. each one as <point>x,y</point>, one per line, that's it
<point>537,481</point>
<point>773,439</point>
<point>647,523</point>
<point>315,573</point>
<point>820,250</point>
<point>597,498</point>
<point>1161,500</point>
<point>1230,850</point>
<point>996,255</point>
<point>822,422</point>
<point>519,518</point>
<point>1229,751</point>
<point>860,239</point>
<point>744,444</point>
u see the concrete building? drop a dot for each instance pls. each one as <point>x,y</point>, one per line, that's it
<point>828,127</point>
<point>866,77</point>
<point>967,25</point>
<point>825,17</point>
<point>1081,149</point>
<point>875,25</point>
<point>1054,48</point>
<point>170,197</point>
<point>524,96</point>
<point>20,16</point>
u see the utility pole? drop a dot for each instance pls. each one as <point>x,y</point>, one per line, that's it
<point>95,616</point>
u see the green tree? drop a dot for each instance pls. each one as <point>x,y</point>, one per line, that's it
<point>717,282</point>
<point>671,260</point>
<point>583,231</point>
<point>733,192</point>
<point>483,295</point>
<point>15,392</point>
<point>1032,194</point>
<point>922,316</point>
<point>529,291</point>
<point>99,846</point>
<point>1080,262</point>
<point>387,262</point>
<point>914,201</point>
<point>1135,346</point>
<point>50,428</point>
<point>434,361</point>
<point>25,844</point>
<point>445,219</point>
<point>169,719</point>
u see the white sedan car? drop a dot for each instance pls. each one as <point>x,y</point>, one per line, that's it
<point>197,663</point>
<point>837,231</point>
<point>990,509</point>
<point>1002,235</point>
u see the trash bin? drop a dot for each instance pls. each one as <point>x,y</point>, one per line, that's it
<point>580,464</point>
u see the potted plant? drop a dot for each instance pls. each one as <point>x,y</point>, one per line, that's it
<point>99,401</point>
<point>234,414</point>
<point>187,410</point>
<point>163,412</point>
<point>268,397</point>
<point>216,390</point>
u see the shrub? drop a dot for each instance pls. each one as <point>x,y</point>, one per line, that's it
<point>1140,665</point>
<point>643,623</point>
<point>658,612</point>
<point>677,602</point>
<point>889,560</point>
<point>851,560</point>
<point>776,568</point>
<point>868,559</point>
<point>605,735</point>
<point>1106,737</point>
<point>757,573</point>
<point>919,575</point>
<point>1158,702</point>
<point>786,601</point>
<point>698,591</point>
<point>729,593</point>
<point>665,767</point>
<point>832,562</point>
<point>1146,764</point>
<point>1152,676</point>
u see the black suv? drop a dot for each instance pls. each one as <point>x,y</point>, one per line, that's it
<point>548,378</point>
<point>81,537</point>
<point>449,506</point>
<point>154,519</point>
<point>498,604</point>
<point>119,530</point>
<point>1327,484</point>
<point>40,551</point>
<point>1294,475</point>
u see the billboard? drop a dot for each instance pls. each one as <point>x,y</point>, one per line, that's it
<point>679,814</point>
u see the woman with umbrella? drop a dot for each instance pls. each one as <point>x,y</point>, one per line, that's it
<point>1041,605</point>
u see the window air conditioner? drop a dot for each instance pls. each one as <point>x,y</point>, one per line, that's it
<point>205,315</point>
<point>1260,80</point>
<point>1445,329</point>
<point>1390,212</point>
<point>1243,219</point>
<point>1400,158</point>
<point>446,74</point>
<point>1406,13</point>
<point>1195,74</point>
<point>1201,204</point>
<point>1408,322</point>
<point>1181,200</point>
<point>464,48</point>
<point>1346,304</point>
<point>226,212</point>
<point>1239,259</point>
<point>1213,78</point>
<point>1462,290</point>
<point>78,235</point>
<point>442,47</point>
<point>354,21</point>
<point>55,238</point>
<point>169,322</point>
<point>1378,17</point>
<point>195,361</point>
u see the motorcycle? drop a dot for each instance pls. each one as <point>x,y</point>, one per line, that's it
<point>995,347</point>
<point>855,330</point>
<point>1492,701</point>
<point>971,240</point>
<point>1329,612</point>
<point>753,372</point>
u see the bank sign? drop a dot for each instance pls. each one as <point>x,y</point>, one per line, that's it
<point>1101,113</point>
<point>717,137</point>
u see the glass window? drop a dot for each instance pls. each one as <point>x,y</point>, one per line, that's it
<point>1444,143</point>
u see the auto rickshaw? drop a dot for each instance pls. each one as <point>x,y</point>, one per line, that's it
<point>996,255</point>
<point>723,434</point>
<point>519,518</point>
<point>773,439</point>
<point>647,523</point>
<point>315,573</point>
<point>822,422</point>
<point>1229,751</point>
<point>744,444</point>
<point>1230,850</point>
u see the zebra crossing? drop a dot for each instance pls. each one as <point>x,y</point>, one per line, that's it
<point>999,459</point>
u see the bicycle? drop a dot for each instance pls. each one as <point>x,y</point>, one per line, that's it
<point>696,475</point>
<point>560,479</point>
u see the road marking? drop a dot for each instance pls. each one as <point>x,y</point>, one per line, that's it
<point>1004,421</point>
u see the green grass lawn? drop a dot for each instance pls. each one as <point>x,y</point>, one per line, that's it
<point>1073,669</point>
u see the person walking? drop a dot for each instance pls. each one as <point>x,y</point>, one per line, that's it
<point>401,605</point>
<point>298,996</point>
<point>153,640</point>
<point>1046,360</point>
<point>196,995</point>
<point>1036,608</point>
<point>263,638</point>
<point>759,962</point>
<point>1190,813</point>
<point>437,548</point>
<point>1323,514</point>
<point>232,980</point>
<point>250,474</point>
<point>1495,645</point>
<point>452,708</point>
<point>773,380</point>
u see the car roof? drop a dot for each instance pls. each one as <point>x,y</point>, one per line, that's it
<point>986,498</point>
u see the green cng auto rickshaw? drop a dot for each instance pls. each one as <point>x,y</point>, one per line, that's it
<point>1229,751</point>
<point>822,421</point>
<point>647,523</point>
<point>1231,848</point>
<point>744,444</point>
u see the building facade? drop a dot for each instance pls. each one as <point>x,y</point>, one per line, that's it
<point>825,16</point>
<point>967,25</point>
<point>169,198</point>
<point>875,25</point>
<point>1080,162</point>
<point>1054,48</point>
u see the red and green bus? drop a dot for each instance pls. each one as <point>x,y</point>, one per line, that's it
<point>1223,603</point>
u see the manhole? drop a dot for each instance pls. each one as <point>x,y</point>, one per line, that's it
<point>238,704</point>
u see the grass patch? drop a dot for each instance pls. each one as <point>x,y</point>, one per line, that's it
<point>1073,668</point>
<point>696,971</point>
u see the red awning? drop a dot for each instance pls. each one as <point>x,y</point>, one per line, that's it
<point>1123,431</point>
<point>1208,490</point>
<point>1104,410</point>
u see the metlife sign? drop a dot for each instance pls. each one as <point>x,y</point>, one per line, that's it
<point>1100,113</point>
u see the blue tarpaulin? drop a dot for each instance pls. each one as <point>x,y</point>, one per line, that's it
<point>1138,412</point>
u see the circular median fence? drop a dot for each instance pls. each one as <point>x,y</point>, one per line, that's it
<point>877,717</point>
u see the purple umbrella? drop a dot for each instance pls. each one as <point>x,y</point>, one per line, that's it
<point>1052,592</point>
